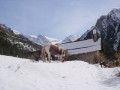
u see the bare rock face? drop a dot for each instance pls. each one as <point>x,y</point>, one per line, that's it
<point>108,28</point>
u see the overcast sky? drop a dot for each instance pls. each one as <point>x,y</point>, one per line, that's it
<point>54,18</point>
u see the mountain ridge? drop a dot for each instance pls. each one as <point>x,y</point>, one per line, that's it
<point>15,44</point>
<point>108,28</point>
<point>42,40</point>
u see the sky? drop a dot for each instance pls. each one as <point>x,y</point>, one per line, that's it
<point>53,18</point>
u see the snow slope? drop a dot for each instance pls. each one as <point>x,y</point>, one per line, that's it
<point>23,74</point>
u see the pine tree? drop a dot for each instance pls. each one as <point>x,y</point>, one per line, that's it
<point>109,53</point>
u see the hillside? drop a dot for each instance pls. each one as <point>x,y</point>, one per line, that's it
<point>23,74</point>
<point>108,28</point>
<point>15,44</point>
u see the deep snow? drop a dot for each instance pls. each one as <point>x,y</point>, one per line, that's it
<point>23,74</point>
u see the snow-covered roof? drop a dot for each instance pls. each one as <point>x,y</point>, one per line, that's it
<point>82,46</point>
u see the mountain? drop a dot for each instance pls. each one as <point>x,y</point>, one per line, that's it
<point>14,43</point>
<point>42,40</point>
<point>108,28</point>
<point>3,26</point>
<point>70,38</point>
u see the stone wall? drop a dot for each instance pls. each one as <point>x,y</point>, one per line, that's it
<point>87,57</point>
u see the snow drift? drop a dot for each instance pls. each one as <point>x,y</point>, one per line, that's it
<point>23,74</point>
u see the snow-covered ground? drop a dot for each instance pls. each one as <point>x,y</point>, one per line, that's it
<point>23,74</point>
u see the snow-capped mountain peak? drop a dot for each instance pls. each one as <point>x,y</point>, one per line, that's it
<point>115,14</point>
<point>33,36</point>
<point>108,28</point>
<point>42,40</point>
<point>16,32</point>
<point>71,38</point>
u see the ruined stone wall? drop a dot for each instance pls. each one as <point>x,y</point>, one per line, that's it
<point>87,57</point>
